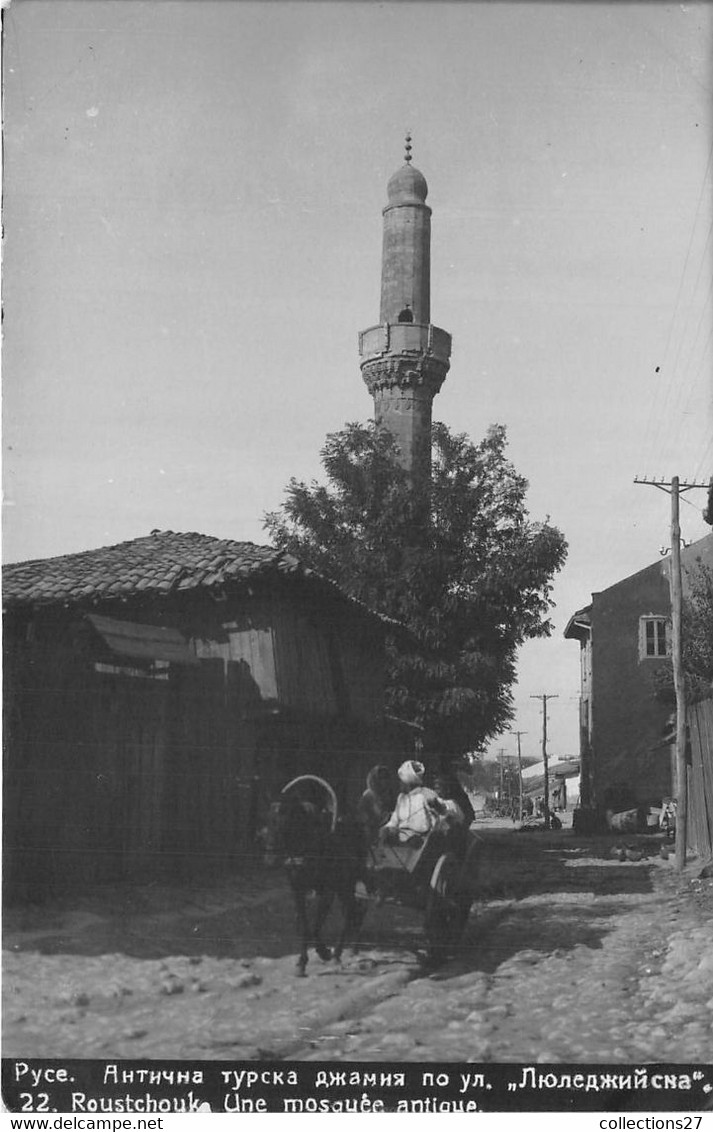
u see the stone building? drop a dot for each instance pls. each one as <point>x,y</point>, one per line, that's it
<point>624,637</point>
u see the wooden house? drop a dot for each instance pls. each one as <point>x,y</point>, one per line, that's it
<point>159,693</point>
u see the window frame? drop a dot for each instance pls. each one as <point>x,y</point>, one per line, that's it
<point>654,619</point>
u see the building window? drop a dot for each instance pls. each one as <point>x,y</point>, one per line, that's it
<point>654,637</point>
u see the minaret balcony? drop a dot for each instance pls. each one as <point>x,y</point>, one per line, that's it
<point>422,339</point>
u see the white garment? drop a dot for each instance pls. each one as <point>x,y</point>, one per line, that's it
<point>412,814</point>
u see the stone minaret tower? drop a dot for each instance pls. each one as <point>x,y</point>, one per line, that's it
<point>405,358</point>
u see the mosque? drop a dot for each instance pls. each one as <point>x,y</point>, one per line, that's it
<point>158,692</point>
<point>405,358</point>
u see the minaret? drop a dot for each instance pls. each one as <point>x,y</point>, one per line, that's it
<point>405,358</point>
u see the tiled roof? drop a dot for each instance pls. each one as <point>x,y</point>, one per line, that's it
<point>163,562</point>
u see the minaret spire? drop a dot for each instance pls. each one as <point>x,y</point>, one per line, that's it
<point>405,358</point>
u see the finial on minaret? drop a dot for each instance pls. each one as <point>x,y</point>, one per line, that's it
<point>409,147</point>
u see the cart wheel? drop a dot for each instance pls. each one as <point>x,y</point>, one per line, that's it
<point>447,908</point>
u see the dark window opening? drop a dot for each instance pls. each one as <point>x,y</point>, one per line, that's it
<point>406,314</point>
<point>654,641</point>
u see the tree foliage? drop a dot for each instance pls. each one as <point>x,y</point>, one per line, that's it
<point>696,640</point>
<point>697,632</point>
<point>462,567</point>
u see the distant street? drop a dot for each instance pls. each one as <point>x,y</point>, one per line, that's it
<point>570,955</point>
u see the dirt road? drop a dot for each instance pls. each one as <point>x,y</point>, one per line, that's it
<point>570,954</point>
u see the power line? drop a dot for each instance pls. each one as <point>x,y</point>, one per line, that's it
<point>681,388</point>
<point>690,387</point>
<point>667,486</point>
<point>683,337</point>
<point>656,410</point>
<point>707,454</point>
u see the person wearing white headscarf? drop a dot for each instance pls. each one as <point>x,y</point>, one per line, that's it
<point>417,807</point>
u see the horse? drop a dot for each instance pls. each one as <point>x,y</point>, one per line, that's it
<point>321,853</point>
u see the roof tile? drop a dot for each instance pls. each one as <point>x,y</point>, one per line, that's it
<point>162,562</point>
<point>159,562</point>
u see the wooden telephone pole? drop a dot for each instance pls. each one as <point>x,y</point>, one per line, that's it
<point>519,765</point>
<point>544,699</point>
<point>501,752</point>
<point>675,487</point>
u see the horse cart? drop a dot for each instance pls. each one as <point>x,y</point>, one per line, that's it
<point>325,852</point>
<point>429,873</point>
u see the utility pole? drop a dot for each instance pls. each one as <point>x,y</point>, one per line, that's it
<point>501,752</point>
<point>544,699</point>
<point>675,487</point>
<point>519,765</point>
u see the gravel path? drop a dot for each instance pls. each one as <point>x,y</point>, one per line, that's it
<point>570,955</point>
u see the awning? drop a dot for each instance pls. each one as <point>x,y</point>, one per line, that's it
<point>143,642</point>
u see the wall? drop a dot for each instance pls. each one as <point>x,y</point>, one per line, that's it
<point>109,775</point>
<point>627,719</point>
<point>700,780</point>
<point>140,770</point>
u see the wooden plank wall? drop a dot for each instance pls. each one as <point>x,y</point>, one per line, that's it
<point>700,780</point>
<point>197,817</point>
<point>364,667</point>
<point>129,728</point>
<point>254,650</point>
<point>329,663</point>
<point>111,777</point>
<point>58,831</point>
<point>303,664</point>
<point>32,771</point>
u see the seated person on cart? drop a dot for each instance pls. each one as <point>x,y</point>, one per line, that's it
<point>449,787</point>
<point>419,811</point>
<point>376,804</point>
<point>451,791</point>
<point>421,827</point>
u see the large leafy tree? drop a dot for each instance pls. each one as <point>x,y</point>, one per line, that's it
<point>458,563</point>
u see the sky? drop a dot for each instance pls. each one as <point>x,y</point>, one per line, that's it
<point>192,218</point>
